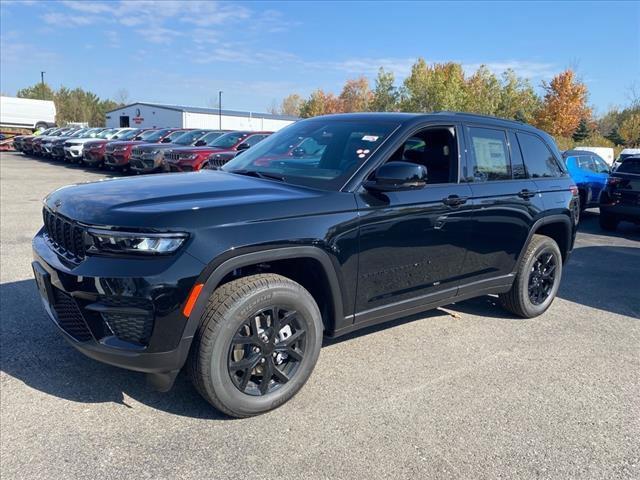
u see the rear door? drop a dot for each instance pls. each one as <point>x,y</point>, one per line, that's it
<point>506,204</point>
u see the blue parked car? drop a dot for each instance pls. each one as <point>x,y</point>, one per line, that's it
<point>590,172</point>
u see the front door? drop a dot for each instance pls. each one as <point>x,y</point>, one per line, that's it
<point>412,243</point>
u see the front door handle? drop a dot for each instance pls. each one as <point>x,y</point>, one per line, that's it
<point>526,193</point>
<point>454,200</point>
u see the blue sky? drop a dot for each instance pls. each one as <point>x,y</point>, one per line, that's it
<point>258,52</point>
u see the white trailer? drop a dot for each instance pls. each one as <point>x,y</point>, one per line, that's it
<point>151,115</point>
<point>27,113</point>
<point>606,153</point>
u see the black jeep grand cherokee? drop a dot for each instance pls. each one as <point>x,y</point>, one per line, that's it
<point>238,273</point>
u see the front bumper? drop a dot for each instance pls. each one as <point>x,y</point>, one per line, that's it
<point>93,157</point>
<point>73,153</point>
<point>116,159</point>
<point>146,163</point>
<point>125,312</point>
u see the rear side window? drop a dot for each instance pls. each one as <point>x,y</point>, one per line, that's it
<point>489,155</point>
<point>517,164</point>
<point>631,165</point>
<point>538,158</point>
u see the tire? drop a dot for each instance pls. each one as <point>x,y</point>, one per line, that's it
<point>230,309</point>
<point>42,125</point>
<point>519,300</point>
<point>608,222</point>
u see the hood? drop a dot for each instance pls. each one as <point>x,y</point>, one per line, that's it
<point>187,201</point>
<point>81,141</point>
<point>203,149</point>
<point>149,147</point>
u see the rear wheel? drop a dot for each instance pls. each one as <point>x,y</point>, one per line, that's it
<point>537,279</point>
<point>257,344</point>
<point>608,222</point>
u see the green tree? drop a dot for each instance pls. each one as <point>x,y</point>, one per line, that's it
<point>518,99</point>
<point>630,129</point>
<point>39,91</point>
<point>385,94</point>
<point>582,131</point>
<point>483,91</point>
<point>614,136</point>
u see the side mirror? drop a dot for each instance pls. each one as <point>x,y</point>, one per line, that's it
<point>166,140</point>
<point>396,176</point>
<point>200,143</point>
<point>243,146</point>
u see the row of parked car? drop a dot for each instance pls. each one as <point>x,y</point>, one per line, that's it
<point>141,150</point>
<point>614,189</point>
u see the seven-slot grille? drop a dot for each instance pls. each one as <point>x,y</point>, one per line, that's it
<point>136,152</point>
<point>110,148</point>
<point>174,156</point>
<point>66,236</point>
<point>219,160</point>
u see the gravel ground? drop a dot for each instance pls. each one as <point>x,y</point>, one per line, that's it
<point>462,392</point>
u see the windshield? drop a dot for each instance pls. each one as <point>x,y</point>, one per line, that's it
<point>227,140</point>
<point>152,135</point>
<point>210,137</point>
<point>630,165</point>
<point>317,153</point>
<point>187,138</point>
<point>126,135</point>
<point>78,133</point>
<point>107,133</point>
<point>172,136</point>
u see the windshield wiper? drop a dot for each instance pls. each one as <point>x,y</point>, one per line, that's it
<point>255,173</point>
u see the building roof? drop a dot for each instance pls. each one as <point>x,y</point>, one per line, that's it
<point>209,111</point>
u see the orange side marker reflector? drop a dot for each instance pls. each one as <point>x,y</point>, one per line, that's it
<point>193,297</point>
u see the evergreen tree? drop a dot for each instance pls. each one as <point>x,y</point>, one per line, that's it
<point>582,131</point>
<point>614,136</point>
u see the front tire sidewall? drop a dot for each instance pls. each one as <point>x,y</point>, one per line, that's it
<point>220,381</point>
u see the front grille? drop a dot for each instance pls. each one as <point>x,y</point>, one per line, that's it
<point>218,160</point>
<point>69,316</point>
<point>66,237</point>
<point>110,148</point>
<point>136,152</point>
<point>172,156</point>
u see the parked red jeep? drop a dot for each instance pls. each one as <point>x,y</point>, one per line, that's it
<point>189,159</point>
<point>117,154</point>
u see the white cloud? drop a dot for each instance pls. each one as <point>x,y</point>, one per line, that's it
<point>63,20</point>
<point>524,68</point>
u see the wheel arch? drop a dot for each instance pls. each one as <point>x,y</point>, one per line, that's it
<point>326,292</point>
<point>557,227</point>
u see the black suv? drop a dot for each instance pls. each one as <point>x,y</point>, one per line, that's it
<point>239,272</point>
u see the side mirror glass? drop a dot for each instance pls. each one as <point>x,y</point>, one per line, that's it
<point>243,146</point>
<point>396,176</point>
<point>200,143</point>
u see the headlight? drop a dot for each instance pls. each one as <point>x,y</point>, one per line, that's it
<point>119,149</point>
<point>131,242</point>
<point>191,156</point>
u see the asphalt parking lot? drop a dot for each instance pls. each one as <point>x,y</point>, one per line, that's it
<point>463,392</point>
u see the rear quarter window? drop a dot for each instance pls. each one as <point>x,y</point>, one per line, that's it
<point>539,160</point>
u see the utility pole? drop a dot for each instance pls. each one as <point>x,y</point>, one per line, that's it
<point>42,82</point>
<point>220,110</point>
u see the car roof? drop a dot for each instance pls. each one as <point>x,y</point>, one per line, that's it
<point>445,116</point>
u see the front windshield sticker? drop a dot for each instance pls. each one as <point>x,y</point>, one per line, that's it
<point>370,138</point>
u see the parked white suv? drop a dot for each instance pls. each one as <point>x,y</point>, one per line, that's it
<point>74,148</point>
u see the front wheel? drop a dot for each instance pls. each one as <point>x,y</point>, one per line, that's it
<point>257,344</point>
<point>537,280</point>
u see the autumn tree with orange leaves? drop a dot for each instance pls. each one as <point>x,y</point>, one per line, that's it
<point>564,105</point>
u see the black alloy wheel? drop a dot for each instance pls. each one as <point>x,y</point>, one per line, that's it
<point>266,351</point>
<point>542,277</point>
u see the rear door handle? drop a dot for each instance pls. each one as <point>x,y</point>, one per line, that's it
<point>454,200</point>
<point>526,193</point>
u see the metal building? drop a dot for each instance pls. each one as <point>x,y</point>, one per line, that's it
<point>142,114</point>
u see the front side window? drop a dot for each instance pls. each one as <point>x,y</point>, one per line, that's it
<point>344,145</point>
<point>538,158</point>
<point>600,165</point>
<point>489,155</point>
